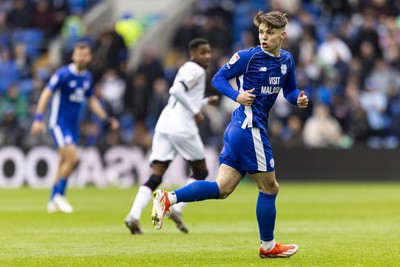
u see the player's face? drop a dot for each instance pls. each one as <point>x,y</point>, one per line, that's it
<point>271,39</point>
<point>201,55</point>
<point>81,57</point>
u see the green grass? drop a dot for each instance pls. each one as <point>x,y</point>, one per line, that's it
<point>334,224</point>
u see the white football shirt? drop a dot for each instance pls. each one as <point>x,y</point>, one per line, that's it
<point>176,118</point>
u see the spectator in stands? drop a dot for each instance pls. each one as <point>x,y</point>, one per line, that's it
<point>13,115</point>
<point>366,60</point>
<point>367,33</point>
<point>113,89</point>
<point>129,28</point>
<point>322,130</point>
<point>9,73</point>
<point>329,88</point>
<point>389,41</point>
<point>293,132</point>
<point>375,104</point>
<point>158,101</point>
<point>187,31</point>
<point>20,15</point>
<point>44,19</point>
<point>110,53</point>
<point>61,11</point>
<point>347,110</point>
<point>73,30</point>
<point>22,61</point>
<point>151,66</point>
<point>4,28</point>
<point>137,96</point>
<point>15,101</point>
<point>332,49</point>
<point>385,76</point>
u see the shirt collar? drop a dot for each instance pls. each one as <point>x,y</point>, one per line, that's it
<point>72,68</point>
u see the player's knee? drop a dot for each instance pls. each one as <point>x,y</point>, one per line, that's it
<point>269,187</point>
<point>200,174</point>
<point>224,192</point>
<point>72,160</point>
<point>153,182</point>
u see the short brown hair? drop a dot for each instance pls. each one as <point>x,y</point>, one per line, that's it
<point>273,19</point>
<point>82,45</point>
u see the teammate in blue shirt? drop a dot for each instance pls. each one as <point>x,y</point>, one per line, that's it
<point>258,75</point>
<point>68,87</point>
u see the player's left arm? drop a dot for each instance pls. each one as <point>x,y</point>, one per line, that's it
<point>290,91</point>
<point>97,109</point>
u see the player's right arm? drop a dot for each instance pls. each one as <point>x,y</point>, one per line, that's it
<point>38,126</point>
<point>236,67</point>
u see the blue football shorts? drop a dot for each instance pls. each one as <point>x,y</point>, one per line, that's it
<point>64,136</point>
<point>247,150</point>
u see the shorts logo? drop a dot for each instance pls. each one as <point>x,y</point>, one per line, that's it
<point>68,140</point>
<point>272,163</point>
<point>283,69</point>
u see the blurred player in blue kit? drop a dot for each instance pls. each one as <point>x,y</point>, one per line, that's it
<point>259,74</point>
<point>176,132</point>
<point>68,88</point>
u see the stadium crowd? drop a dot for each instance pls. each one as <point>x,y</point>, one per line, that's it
<point>347,56</point>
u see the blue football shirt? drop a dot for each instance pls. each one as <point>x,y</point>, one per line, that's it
<point>255,68</point>
<point>70,89</point>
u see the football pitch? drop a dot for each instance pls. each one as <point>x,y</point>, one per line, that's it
<point>334,224</point>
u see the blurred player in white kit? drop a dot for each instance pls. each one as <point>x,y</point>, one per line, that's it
<point>176,132</point>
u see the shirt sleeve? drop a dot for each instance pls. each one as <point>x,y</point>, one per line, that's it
<point>191,76</point>
<point>89,86</point>
<point>290,91</point>
<point>55,81</point>
<point>178,91</point>
<point>236,67</point>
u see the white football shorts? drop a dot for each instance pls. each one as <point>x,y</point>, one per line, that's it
<point>166,146</point>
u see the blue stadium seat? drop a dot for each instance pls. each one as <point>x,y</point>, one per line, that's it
<point>33,38</point>
<point>25,86</point>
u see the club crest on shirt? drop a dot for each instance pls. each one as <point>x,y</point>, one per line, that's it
<point>234,58</point>
<point>72,84</point>
<point>283,69</point>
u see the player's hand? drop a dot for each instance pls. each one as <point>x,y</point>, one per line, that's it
<point>246,98</point>
<point>199,117</point>
<point>213,100</point>
<point>302,100</point>
<point>114,123</point>
<point>38,127</point>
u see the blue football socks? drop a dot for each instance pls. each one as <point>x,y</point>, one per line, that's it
<point>266,214</point>
<point>197,191</point>
<point>58,188</point>
<point>62,185</point>
<point>53,191</point>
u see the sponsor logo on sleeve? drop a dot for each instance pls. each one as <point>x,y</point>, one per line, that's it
<point>53,80</point>
<point>234,58</point>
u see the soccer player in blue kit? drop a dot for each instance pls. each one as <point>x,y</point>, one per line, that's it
<point>68,87</point>
<point>259,74</point>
